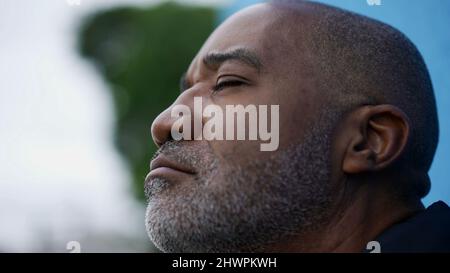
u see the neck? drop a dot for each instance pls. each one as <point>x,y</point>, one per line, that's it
<point>356,222</point>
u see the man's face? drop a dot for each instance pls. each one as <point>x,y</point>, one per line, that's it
<point>228,195</point>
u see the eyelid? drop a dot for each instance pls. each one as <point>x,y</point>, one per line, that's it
<point>232,77</point>
<point>229,81</point>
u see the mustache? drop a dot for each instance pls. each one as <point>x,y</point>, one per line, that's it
<point>181,152</point>
<point>197,156</point>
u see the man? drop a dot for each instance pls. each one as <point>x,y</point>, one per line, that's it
<point>357,134</point>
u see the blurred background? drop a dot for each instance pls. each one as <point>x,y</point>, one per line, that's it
<point>81,82</point>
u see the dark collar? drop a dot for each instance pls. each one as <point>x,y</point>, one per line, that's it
<point>427,231</point>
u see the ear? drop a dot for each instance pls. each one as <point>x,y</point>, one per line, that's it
<point>376,137</point>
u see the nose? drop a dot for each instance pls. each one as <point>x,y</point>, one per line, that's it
<point>161,128</point>
<point>162,125</point>
<point>192,111</point>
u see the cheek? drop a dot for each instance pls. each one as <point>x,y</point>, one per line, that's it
<point>297,115</point>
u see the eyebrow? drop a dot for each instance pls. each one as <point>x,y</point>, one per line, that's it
<point>243,55</point>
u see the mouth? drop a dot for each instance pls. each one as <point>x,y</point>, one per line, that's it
<point>163,167</point>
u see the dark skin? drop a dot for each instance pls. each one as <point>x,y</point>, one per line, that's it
<point>275,70</point>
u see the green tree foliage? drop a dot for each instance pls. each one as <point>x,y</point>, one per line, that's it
<point>142,53</point>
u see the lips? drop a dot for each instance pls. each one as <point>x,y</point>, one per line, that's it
<point>163,165</point>
<point>162,161</point>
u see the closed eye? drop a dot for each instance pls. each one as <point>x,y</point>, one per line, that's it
<point>220,86</point>
<point>225,83</point>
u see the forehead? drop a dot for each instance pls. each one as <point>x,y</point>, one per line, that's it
<point>252,28</point>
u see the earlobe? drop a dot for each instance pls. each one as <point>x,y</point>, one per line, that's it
<point>377,137</point>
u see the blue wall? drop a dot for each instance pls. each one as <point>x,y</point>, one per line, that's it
<point>427,24</point>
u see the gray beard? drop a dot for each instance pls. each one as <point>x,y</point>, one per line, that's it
<point>242,208</point>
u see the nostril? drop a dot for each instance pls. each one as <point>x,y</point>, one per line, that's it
<point>157,143</point>
<point>160,140</point>
<point>168,139</point>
